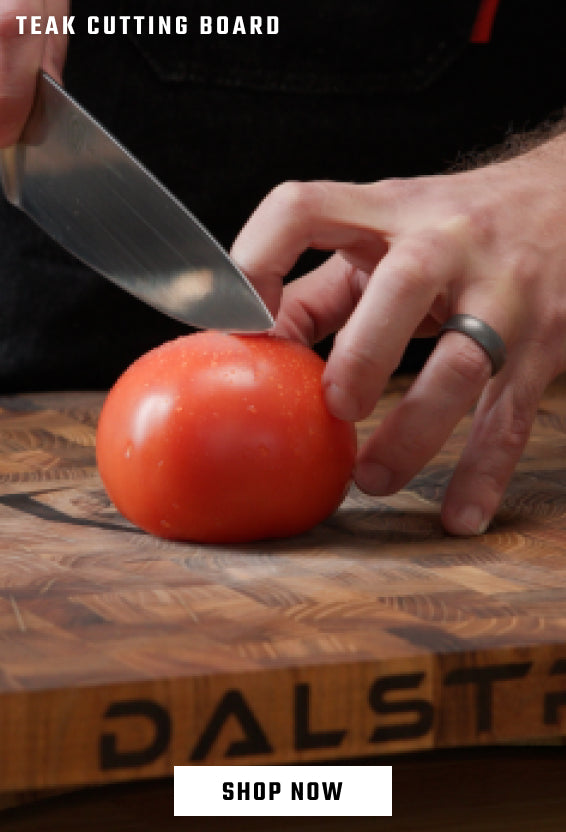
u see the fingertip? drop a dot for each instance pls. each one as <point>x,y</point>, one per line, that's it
<point>238,251</point>
<point>286,328</point>
<point>466,521</point>
<point>373,478</point>
<point>268,286</point>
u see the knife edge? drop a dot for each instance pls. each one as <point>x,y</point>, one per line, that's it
<point>91,195</point>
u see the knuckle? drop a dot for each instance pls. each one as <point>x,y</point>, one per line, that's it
<point>527,268</point>
<point>505,443</point>
<point>515,437</point>
<point>301,200</point>
<point>360,361</point>
<point>478,224</point>
<point>417,263</point>
<point>515,430</point>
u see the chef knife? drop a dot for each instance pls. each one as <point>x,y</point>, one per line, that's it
<point>93,197</point>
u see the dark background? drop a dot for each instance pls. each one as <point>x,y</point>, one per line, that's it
<point>352,91</point>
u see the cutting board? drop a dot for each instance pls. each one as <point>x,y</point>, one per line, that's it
<point>375,633</point>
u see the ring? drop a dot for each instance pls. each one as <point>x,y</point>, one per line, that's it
<point>482,334</point>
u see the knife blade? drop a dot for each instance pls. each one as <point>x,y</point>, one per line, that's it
<point>87,192</point>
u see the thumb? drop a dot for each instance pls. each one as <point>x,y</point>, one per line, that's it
<point>20,59</point>
<point>56,44</point>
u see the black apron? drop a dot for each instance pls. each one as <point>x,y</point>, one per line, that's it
<point>352,91</point>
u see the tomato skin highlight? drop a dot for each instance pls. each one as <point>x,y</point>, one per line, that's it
<point>220,438</point>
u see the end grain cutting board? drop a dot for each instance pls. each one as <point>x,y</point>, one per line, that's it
<point>122,655</point>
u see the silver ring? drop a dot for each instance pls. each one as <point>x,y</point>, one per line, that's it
<point>482,334</point>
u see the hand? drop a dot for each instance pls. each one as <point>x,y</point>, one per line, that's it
<point>409,254</point>
<point>21,56</point>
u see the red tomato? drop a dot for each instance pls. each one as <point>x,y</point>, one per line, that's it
<point>224,438</point>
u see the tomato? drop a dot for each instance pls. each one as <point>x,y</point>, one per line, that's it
<point>223,438</point>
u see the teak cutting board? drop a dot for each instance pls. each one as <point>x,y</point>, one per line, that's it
<point>122,655</point>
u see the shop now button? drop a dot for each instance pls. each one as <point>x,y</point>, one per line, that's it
<point>323,791</point>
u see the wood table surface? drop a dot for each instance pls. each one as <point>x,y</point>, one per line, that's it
<point>375,633</point>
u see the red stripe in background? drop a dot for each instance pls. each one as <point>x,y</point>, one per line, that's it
<point>481,32</point>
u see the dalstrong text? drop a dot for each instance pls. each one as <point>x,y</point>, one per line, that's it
<point>402,712</point>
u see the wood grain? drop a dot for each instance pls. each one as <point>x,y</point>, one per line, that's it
<point>121,654</point>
